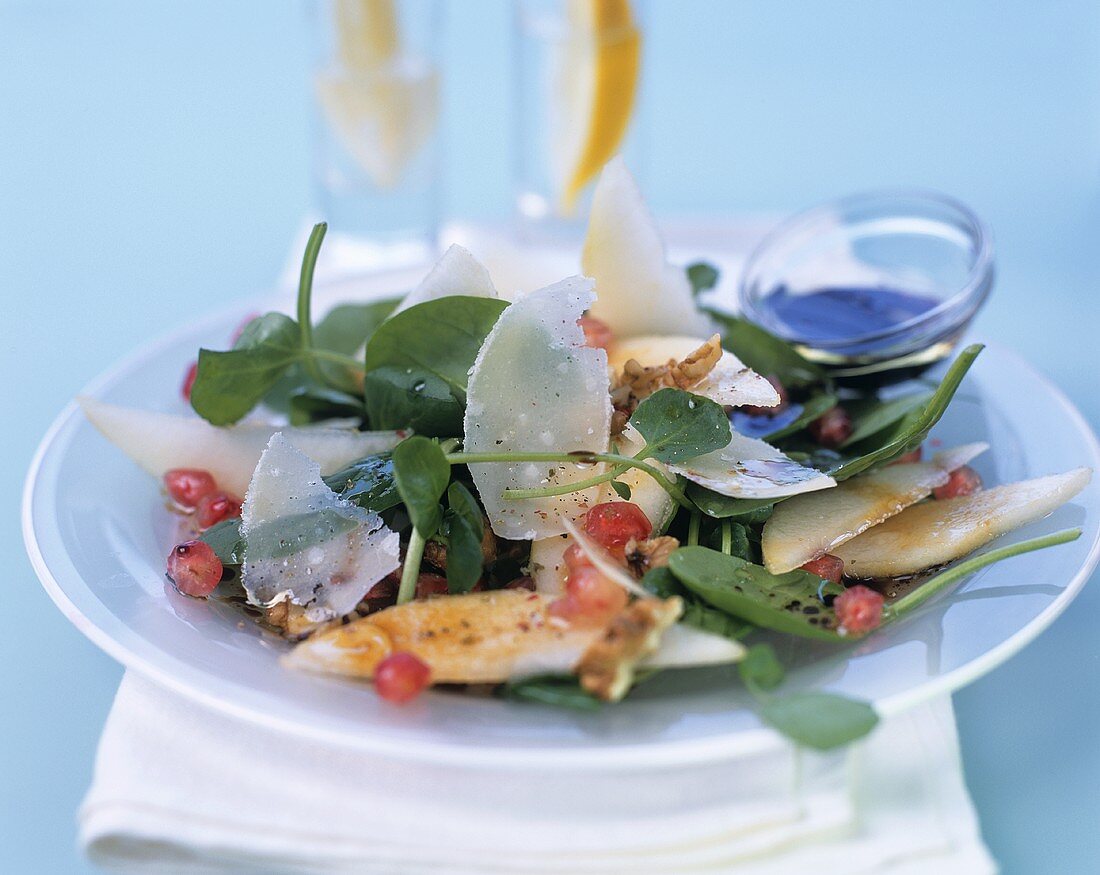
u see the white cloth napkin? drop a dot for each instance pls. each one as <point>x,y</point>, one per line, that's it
<point>180,788</point>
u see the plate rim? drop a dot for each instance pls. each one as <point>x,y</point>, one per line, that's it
<point>657,754</point>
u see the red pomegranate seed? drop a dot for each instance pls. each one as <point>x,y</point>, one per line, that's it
<point>784,401</point>
<point>588,593</point>
<point>859,609</point>
<point>189,381</point>
<point>910,458</point>
<point>188,486</point>
<point>832,428</point>
<point>575,557</point>
<point>428,584</point>
<point>963,481</point>
<point>527,583</point>
<point>214,508</point>
<point>194,568</point>
<point>401,677</point>
<point>827,567</point>
<point>614,523</point>
<point>597,334</point>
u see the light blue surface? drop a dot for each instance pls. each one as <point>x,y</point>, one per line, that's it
<point>154,163</point>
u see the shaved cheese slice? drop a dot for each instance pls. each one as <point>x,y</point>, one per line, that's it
<point>535,387</point>
<point>639,291</point>
<point>750,468</point>
<point>807,526</point>
<point>937,532</point>
<point>159,442</point>
<point>730,382</point>
<point>305,543</point>
<point>456,273</point>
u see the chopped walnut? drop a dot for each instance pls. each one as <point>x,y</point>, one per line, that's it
<point>697,365</point>
<point>291,620</point>
<point>607,668</point>
<point>654,553</point>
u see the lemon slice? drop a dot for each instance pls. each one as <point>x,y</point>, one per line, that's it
<point>601,59</point>
<point>380,101</point>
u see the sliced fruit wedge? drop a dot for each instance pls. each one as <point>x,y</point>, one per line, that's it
<point>937,532</point>
<point>730,382</point>
<point>750,468</point>
<point>807,526</point>
<point>639,291</point>
<point>456,273</point>
<point>159,442</point>
<point>536,387</point>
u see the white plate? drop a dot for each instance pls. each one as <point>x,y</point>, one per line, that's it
<point>97,534</point>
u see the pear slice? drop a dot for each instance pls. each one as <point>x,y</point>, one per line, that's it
<point>807,526</point>
<point>730,382</point>
<point>639,292</point>
<point>456,273</point>
<point>159,442</point>
<point>937,532</point>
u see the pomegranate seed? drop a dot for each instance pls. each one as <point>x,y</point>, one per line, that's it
<point>527,583</point>
<point>428,584</point>
<point>827,567</point>
<point>597,334</point>
<point>614,523</point>
<point>963,481</point>
<point>588,593</point>
<point>214,508</point>
<point>784,401</point>
<point>859,609</point>
<point>189,381</point>
<point>832,428</point>
<point>194,568</point>
<point>575,557</point>
<point>401,677</point>
<point>909,458</point>
<point>188,486</point>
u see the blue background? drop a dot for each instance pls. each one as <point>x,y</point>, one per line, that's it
<point>154,163</point>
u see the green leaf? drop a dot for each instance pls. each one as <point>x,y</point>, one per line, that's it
<point>401,398</point>
<point>702,276</point>
<point>819,720</point>
<point>760,669</point>
<point>812,408</point>
<point>738,537</point>
<point>767,354</point>
<point>621,490</point>
<point>294,533</point>
<point>913,429</point>
<point>307,406</point>
<point>562,691</point>
<point>369,483</point>
<point>421,472</point>
<point>664,584</point>
<point>346,327</point>
<point>678,426</point>
<point>871,415</point>
<point>464,535</point>
<point>229,384</point>
<point>748,511</point>
<point>226,541</point>
<point>787,603</point>
<point>433,345</point>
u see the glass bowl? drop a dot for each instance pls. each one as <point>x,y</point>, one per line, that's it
<point>875,286</point>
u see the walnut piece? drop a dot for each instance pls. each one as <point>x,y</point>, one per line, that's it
<point>607,668</point>
<point>653,553</point>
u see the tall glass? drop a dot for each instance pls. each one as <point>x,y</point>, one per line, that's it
<point>577,72</point>
<point>377,94</point>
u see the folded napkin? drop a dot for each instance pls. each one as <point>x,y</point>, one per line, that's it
<point>181,788</point>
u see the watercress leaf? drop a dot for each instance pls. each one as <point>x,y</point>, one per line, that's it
<point>306,406</point>
<point>767,354</point>
<point>439,338</point>
<point>871,415</point>
<point>294,533</point>
<point>738,536</point>
<point>399,397</point>
<point>749,511</point>
<point>562,691</point>
<point>465,531</point>
<point>911,431</point>
<point>761,669</point>
<point>664,584</point>
<point>621,490</point>
<point>369,483</point>
<point>346,327</point>
<point>789,603</point>
<point>678,426</point>
<point>226,540</point>
<point>819,720</point>
<point>702,276</point>
<point>421,472</point>
<point>812,408</point>
<point>229,384</point>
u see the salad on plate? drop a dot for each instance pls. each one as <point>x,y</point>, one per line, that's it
<point>552,494</point>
